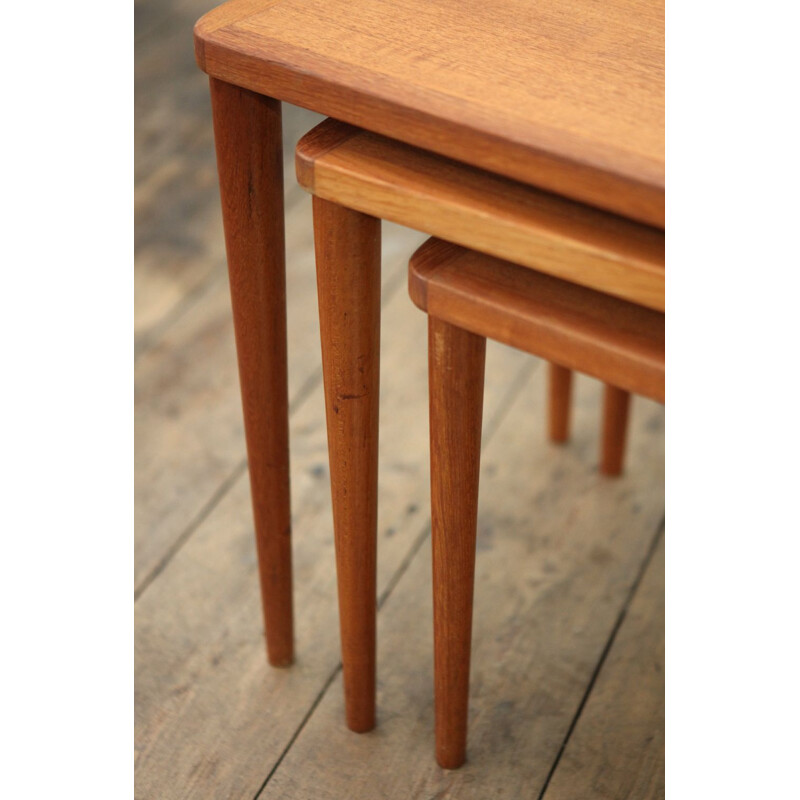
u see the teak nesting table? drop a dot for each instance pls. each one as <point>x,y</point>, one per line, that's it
<point>470,297</point>
<point>357,178</point>
<point>563,95</point>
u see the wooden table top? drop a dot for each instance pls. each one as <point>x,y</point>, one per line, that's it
<point>566,95</point>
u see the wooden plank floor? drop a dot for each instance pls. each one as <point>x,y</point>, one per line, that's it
<point>567,690</point>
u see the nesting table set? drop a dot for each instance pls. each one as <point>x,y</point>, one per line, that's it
<point>528,138</point>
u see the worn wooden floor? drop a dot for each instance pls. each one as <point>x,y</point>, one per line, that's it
<point>567,687</point>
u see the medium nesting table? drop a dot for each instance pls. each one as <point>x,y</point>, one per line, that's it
<point>358,178</point>
<point>563,95</point>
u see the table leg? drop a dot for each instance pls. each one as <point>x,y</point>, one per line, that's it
<point>456,371</point>
<point>247,133</point>
<point>348,252</point>
<point>560,401</point>
<point>615,426</point>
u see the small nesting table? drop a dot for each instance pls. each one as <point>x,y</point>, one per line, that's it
<point>470,297</point>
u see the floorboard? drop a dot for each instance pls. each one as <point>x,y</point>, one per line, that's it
<point>617,748</point>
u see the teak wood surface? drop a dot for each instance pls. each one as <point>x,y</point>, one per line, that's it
<point>617,342</point>
<point>485,212</point>
<point>566,95</point>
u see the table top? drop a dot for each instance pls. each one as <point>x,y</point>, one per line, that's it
<point>489,213</point>
<point>565,95</point>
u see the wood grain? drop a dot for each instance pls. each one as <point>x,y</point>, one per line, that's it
<point>617,748</point>
<point>455,377</point>
<point>566,95</point>
<point>612,340</point>
<point>484,212</point>
<point>247,133</point>
<point>348,249</point>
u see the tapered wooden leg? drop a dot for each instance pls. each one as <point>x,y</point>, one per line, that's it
<point>615,427</point>
<point>456,364</point>
<point>247,131</point>
<point>348,249</point>
<point>560,401</point>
